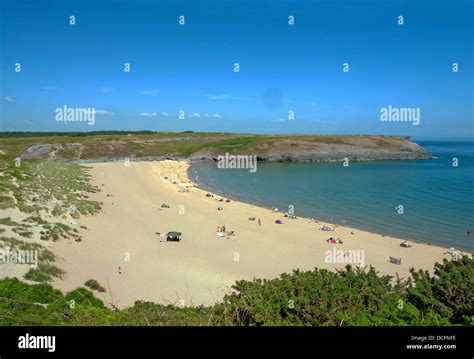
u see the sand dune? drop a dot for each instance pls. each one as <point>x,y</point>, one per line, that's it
<point>203,266</point>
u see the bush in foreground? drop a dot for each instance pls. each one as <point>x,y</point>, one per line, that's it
<point>351,297</point>
<point>94,285</point>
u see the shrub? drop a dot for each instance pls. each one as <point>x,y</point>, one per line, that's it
<point>43,273</point>
<point>353,297</point>
<point>84,297</point>
<point>449,293</point>
<point>93,284</point>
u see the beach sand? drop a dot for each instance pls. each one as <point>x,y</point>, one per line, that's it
<point>203,266</point>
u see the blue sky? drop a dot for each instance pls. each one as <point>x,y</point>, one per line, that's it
<point>282,68</point>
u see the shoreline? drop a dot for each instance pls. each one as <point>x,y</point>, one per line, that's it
<point>202,267</point>
<point>211,160</point>
<point>212,189</point>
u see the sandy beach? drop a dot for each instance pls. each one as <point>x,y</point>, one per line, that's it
<point>201,268</point>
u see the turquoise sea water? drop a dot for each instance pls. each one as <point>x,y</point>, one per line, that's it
<point>437,198</point>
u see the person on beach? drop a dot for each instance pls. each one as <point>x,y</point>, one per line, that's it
<point>259,223</point>
<point>120,270</point>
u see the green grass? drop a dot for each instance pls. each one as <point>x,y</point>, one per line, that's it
<point>44,273</point>
<point>7,221</point>
<point>6,201</point>
<point>21,229</point>
<point>82,296</point>
<point>56,231</point>
<point>120,144</point>
<point>34,185</point>
<point>19,244</point>
<point>23,232</point>
<point>31,188</point>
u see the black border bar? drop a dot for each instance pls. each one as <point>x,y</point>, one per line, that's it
<point>83,340</point>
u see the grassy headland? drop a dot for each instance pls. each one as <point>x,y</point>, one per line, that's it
<point>147,144</point>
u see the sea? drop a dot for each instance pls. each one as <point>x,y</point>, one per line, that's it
<point>427,201</point>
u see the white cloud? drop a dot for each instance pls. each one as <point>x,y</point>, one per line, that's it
<point>9,99</point>
<point>106,90</point>
<point>164,113</point>
<point>216,115</point>
<point>148,114</point>
<point>218,97</point>
<point>148,92</point>
<point>229,97</point>
<point>103,112</point>
<point>195,115</point>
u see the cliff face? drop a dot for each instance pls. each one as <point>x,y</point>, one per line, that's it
<point>354,148</point>
<point>270,148</point>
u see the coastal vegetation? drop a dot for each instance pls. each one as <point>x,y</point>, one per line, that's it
<point>349,297</point>
<point>45,188</point>
<point>45,198</point>
<point>84,146</point>
<point>94,285</point>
